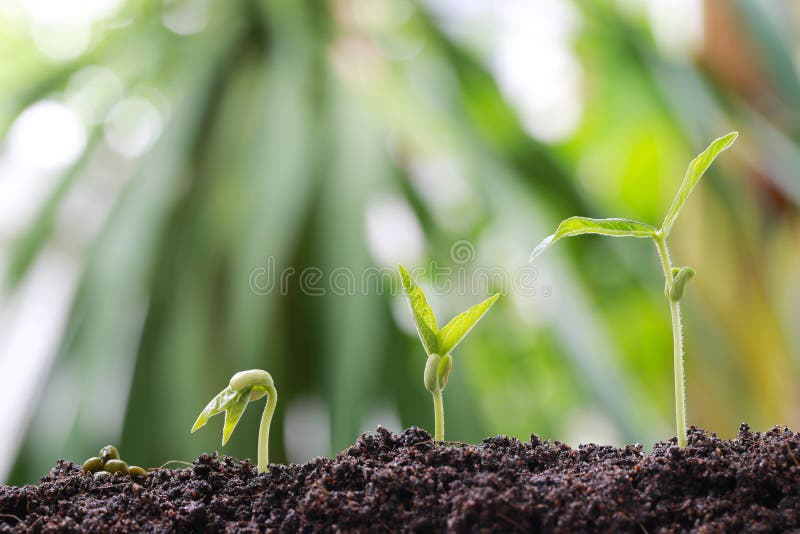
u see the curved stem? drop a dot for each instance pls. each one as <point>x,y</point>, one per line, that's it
<point>263,430</point>
<point>438,414</point>
<point>677,342</point>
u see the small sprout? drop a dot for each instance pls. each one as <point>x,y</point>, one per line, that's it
<point>137,473</point>
<point>116,466</point>
<point>438,343</point>
<point>109,452</point>
<point>244,386</point>
<point>675,277</point>
<point>102,476</point>
<point>93,465</point>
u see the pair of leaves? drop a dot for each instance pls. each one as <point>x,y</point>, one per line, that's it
<point>627,228</point>
<point>442,341</point>
<point>233,403</point>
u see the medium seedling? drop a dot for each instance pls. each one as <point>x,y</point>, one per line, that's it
<point>675,277</point>
<point>244,386</point>
<point>439,343</point>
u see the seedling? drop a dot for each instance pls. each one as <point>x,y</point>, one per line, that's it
<point>675,277</point>
<point>439,343</point>
<point>244,386</point>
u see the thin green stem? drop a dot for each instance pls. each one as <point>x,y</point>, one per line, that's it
<point>438,414</point>
<point>677,340</point>
<point>263,430</point>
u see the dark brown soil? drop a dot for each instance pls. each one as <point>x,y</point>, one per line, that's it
<point>388,482</point>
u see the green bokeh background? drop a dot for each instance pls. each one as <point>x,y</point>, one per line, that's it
<point>287,122</point>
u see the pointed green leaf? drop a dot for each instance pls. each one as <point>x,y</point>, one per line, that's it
<point>454,331</point>
<point>584,225</point>
<point>423,314</point>
<point>693,174</point>
<point>218,404</point>
<point>234,413</point>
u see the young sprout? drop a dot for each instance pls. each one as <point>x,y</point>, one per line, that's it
<point>676,277</point>
<point>244,386</point>
<point>438,343</point>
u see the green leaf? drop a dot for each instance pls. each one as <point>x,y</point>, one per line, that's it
<point>693,174</point>
<point>218,404</point>
<point>423,314</point>
<point>234,413</point>
<point>584,225</point>
<point>454,331</point>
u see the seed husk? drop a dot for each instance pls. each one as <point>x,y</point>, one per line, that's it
<point>102,475</point>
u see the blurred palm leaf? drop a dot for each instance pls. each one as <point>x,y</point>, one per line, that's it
<point>286,123</point>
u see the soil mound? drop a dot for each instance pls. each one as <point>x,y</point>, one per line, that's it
<point>388,482</point>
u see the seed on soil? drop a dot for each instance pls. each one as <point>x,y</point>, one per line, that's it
<point>102,475</point>
<point>137,473</point>
<point>109,452</point>
<point>116,466</point>
<point>93,465</point>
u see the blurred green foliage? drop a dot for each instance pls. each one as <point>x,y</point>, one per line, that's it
<point>285,123</point>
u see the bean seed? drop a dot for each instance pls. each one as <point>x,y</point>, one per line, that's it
<point>93,465</point>
<point>137,473</point>
<point>116,466</point>
<point>109,452</point>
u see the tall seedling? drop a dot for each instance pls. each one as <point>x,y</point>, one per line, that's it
<point>675,277</point>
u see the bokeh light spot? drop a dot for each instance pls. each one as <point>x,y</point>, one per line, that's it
<point>133,126</point>
<point>47,135</point>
